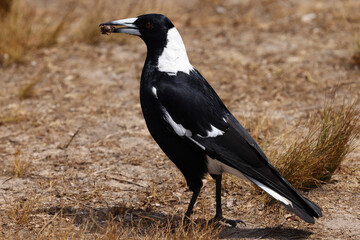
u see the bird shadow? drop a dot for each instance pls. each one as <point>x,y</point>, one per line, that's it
<point>98,219</point>
<point>268,233</point>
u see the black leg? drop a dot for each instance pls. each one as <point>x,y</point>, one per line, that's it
<point>218,215</point>
<point>191,206</point>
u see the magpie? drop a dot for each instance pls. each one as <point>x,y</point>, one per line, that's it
<point>192,125</point>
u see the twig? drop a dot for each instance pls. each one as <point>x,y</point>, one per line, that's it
<point>5,199</point>
<point>147,217</point>
<point>76,201</point>
<point>123,175</point>
<point>94,221</point>
<point>6,180</point>
<point>102,170</point>
<point>126,181</point>
<point>72,137</point>
<point>47,224</point>
<point>179,199</point>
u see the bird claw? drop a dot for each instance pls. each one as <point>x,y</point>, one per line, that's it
<point>186,222</point>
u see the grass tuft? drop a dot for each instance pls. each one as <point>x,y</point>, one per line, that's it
<point>27,91</point>
<point>356,56</point>
<point>20,212</point>
<point>25,29</point>
<point>13,116</point>
<point>315,158</point>
<point>20,166</point>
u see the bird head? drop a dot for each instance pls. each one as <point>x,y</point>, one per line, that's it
<point>164,43</point>
<point>152,28</point>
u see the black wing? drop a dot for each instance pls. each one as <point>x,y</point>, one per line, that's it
<point>192,103</point>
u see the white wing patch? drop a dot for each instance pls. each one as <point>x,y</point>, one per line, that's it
<point>178,128</point>
<point>174,58</point>
<point>272,193</point>
<point>154,91</point>
<point>214,132</point>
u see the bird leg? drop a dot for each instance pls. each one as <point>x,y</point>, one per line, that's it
<point>218,215</point>
<point>191,206</point>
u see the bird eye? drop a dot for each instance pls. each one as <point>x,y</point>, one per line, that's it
<point>148,25</point>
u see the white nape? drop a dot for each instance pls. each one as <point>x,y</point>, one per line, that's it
<point>174,58</point>
<point>272,193</point>
<point>216,167</point>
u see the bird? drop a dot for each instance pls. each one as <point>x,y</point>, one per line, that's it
<point>193,127</point>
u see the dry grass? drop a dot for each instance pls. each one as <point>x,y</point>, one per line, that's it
<point>13,116</point>
<point>20,212</point>
<point>86,28</point>
<point>27,91</point>
<point>356,56</point>
<point>260,127</point>
<point>165,229</point>
<point>25,29</point>
<point>5,6</point>
<point>348,15</point>
<point>281,67</point>
<point>115,225</point>
<point>20,166</point>
<point>314,159</point>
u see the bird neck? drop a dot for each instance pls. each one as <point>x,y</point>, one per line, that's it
<point>171,58</point>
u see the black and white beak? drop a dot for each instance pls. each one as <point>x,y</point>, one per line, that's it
<point>127,26</point>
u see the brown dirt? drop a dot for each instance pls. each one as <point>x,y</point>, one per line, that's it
<point>85,149</point>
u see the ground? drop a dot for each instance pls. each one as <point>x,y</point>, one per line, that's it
<point>76,146</point>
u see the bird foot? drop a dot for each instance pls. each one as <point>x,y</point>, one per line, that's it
<point>232,223</point>
<point>186,221</point>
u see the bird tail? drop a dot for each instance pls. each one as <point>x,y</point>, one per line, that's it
<point>285,193</point>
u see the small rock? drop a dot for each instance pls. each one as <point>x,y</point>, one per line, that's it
<point>220,10</point>
<point>308,17</point>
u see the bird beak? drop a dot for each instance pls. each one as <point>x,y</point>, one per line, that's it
<point>127,26</point>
